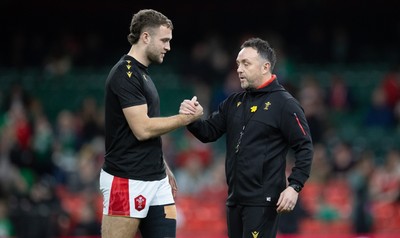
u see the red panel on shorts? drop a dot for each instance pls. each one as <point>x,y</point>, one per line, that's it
<point>119,197</point>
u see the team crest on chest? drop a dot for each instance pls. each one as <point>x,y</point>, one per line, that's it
<point>267,104</point>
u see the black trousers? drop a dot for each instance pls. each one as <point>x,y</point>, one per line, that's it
<point>252,222</point>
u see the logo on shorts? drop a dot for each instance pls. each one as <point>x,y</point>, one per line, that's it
<point>140,203</point>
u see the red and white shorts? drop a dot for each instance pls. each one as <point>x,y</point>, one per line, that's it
<point>132,198</point>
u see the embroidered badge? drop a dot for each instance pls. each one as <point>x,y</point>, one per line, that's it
<point>140,203</point>
<point>267,104</point>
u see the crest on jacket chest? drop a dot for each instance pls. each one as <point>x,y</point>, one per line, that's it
<point>267,104</point>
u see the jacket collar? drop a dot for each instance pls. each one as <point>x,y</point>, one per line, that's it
<point>269,86</point>
<point>273,77</point>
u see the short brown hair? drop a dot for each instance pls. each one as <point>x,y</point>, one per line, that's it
<point>146,18</point>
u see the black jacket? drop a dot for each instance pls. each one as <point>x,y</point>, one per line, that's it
<point>261,126</point>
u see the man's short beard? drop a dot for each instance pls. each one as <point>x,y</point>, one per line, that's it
<point>153,58</point>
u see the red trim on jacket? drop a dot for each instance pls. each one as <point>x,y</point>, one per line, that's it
<point>273,77</point>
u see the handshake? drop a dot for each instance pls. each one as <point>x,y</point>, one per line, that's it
<point>191,109</point>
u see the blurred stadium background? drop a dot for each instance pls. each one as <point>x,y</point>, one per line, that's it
<point>341,59</point>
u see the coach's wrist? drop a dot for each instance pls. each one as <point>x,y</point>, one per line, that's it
<point>296,187</point>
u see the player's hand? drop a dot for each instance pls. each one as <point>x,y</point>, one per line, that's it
<point>191,109</point>
<point>287,200</point>
<point>188,107</point>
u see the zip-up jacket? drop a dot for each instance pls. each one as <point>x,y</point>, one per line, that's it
<point>261,126</point>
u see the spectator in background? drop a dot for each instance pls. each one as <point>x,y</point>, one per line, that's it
<point>42,145</point>
<point>326,212</point>
<point>88,223</point>
<point>65,145</point>
<point>11,178</point>
<point>16,119</point>
<point>359,180</point>
<point>192,146</point>
<point>391,86</point>
<point>339,95</point>
<point>231,85</point>
<point>343,159</point>
<point>90,120</point>
<point>6,225</point>
<point>38,207</point>
<point>379,114</point>
<point>396,112</point>
<point>312,99</point>
<point>191,174</point>
<point>21,152</point>
<point>385,181</point>
<point>321,169</point>
<point>17,95</point>
<point>170,149</point>
<point>216,182</point>
<point>85,175</point>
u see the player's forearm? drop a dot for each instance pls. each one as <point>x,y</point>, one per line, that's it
<point>158,126</point>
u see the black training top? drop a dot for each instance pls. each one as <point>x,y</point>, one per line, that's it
<point>261,126</point>
<point>129,84</point>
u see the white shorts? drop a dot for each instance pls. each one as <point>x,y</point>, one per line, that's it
<point>132,198</point>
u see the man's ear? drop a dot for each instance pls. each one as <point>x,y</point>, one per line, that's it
<point>267,67</point>
<point>145,37</point>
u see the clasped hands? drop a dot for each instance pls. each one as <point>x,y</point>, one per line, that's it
<point>192,108</point>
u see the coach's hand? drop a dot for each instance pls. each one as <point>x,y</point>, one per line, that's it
<point>287,200</point>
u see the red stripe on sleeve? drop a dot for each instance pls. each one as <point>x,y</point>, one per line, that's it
<point>298,123</point>
<point>119,197</point>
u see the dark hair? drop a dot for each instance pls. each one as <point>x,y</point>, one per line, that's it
<point>146,18</point>
<point>263,49</point>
